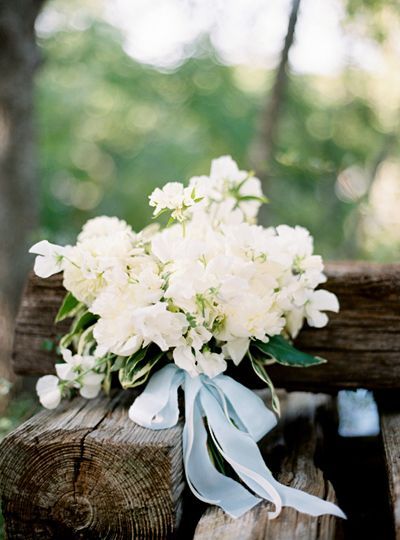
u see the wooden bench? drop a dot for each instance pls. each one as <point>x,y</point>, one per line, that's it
<point>85,471</point>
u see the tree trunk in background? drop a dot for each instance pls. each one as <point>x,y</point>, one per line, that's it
<point>263,147</point>
<point>19,58</point>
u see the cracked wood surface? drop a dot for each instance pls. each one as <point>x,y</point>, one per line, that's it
<point>86,471</point>
<point>390,430</point>
<point>299,442</point>
<point>361,343</point>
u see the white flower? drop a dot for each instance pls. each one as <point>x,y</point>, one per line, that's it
<point>146,234</point>
<point>103,226</point>
<point>320,301</point>
<point>155,324</point>
<point>79,370</point>
<point>197,337</point>
<point>96,262</point>
<point>236,349</point>
<point>210,363</point>
<point>116,330</point>
<point>226,168</point>
<point>116,336</point>
<point>184,358</point>
<point>173,196</point>
<point>205,187</point>
<point>196,362</point>
<point>50,258</point>
<point>294,321</point>
<point>69,370</point>
<point>244,190</point>
<point>91,384</point>
<point>296,241</point>
<point>49,391</point>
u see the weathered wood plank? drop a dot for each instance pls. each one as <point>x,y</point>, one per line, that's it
<point>297,470</point>
<point>361,343</point>
<point>390,429</point>
<point>86,471</point>
<point>40,302</point>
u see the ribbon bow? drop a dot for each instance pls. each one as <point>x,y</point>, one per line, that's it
<point>237,418</point>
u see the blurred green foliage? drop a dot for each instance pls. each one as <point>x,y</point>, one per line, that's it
<point>112,129</point>
<point>318,140</point>
<point>17,411</point>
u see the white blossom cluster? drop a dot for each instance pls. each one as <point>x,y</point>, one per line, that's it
<point>200,289</point>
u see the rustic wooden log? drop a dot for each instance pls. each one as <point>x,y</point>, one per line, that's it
<point>361,343</point>
<point>298,470</point>
<point>390,430</point>
<point>35,324</point>
<point>86,471</point>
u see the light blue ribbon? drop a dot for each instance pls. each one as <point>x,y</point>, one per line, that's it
<point>237,418</point>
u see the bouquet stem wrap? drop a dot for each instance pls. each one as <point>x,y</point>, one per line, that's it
<point>237,418</point>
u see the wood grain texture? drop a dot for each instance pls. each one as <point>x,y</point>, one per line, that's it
<point>390,429</point>
<point>87,472</point>
<point>298,469</point>
<point>40,302</point>
<point>361,343</point>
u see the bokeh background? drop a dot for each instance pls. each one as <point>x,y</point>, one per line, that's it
<point>130,94</point>
<point>134,93</point>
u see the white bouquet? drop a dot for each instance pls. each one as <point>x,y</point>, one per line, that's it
<point>179,304</point>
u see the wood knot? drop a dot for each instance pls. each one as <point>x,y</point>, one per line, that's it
<point>74,511</point>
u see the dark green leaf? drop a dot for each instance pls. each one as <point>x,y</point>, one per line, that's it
<point>80,323</point>
<point>132,362</point>
<point>284,353</point>
<point>137,368</point>
<point>141,376</point>
<point>83,322</point>
<point>68,308</point>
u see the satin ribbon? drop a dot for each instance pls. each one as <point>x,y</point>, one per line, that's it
<point>237,418</point>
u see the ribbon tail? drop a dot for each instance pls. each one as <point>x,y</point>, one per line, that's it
<point>242,453</point>
<point>308,504</point>
<point>204,480</point>
<point>157,406</point>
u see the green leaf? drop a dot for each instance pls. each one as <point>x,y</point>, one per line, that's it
<point>107,379</point>
<point>141,376</point>
<point>118,364</point>
<point>170,222</point>
<point>137,368</point>
<point>82,322</point>
<point>263,375</point>
<point>284,353</point>
<point>263,199</point>
<point>133,361</point>
<point>68,308</point>
<point>161,212</point>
